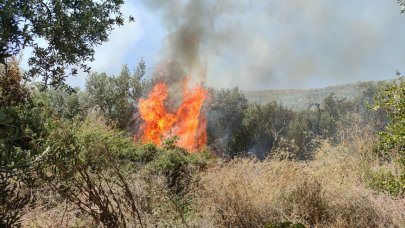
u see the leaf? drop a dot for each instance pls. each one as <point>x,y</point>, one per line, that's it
<point>4,118</point>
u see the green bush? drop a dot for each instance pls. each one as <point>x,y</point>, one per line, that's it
<point>22,125</point>
<point>391,147</point>
<point>177,166</point>
<point>87,164</point>
<point>385,181</point>
<point>83,141</point>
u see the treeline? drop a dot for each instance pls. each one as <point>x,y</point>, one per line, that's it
<point>236,127</point>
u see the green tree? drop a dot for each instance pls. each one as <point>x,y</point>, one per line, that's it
<point>392,100</point>
<point>116,97</point>
<point>391,148</point>
<point>264,126</point>
<point>301,134</point>
<point>22,124</point>
<point>63,34</point>
<point>66,103</point>
<point>364,103</point>
<point>335,113</point>
<point>227,109</point>
<point>326,117</point>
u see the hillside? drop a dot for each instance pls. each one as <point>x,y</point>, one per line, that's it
<point>299,98</point>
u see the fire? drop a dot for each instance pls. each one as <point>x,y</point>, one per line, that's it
<point>187,122</point>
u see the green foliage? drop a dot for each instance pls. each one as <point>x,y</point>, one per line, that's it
<point>92,137</point>
<point>391,147</point>
<point>236,128</point>
<point>364,103</point>
<point>178,166</point>
<point>86,158</point>
<point>392,100</point>
<point>116,97</point>
<point>227,110</point>
<point>70,29</point>
<point>77,142</point>
<point>301,135</point>
<point>334,111</point>
<point>385,181</point>
<point>263,126</point>
<point>402,4</point>
<point>22,125</point>
<point>65,103</point>
<point>145,153</point>
<point>86,164</point>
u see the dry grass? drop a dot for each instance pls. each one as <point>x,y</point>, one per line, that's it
<point>52,211</point>
<point>158,208</point>
<point>329,191</point>
<point>326,192</point>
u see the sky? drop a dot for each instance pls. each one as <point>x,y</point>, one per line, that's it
<point>265,44</point>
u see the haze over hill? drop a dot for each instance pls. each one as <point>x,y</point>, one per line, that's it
<point>299,98</point>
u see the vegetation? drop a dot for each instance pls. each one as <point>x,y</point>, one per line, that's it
<point>391,146</point>
<point>21,125</point>
<point>326,165</point>
<point>328,191</point>
<point>63,34</point>
<point>402,3</point>
<point>238,128</point>
<point>71,157</point>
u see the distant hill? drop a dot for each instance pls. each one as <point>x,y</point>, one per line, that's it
<point>299,98</point>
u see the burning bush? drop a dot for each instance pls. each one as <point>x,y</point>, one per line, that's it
<point>187,122</point>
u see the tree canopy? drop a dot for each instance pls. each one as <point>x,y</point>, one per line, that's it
<point>62,33</point>
<point>402,3</point>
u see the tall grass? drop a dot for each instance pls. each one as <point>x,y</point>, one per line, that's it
<point>329,191</point>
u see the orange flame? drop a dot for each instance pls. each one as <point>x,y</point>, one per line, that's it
<point>187,122</point>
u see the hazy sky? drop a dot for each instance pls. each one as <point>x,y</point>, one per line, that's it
<point>276,44</point>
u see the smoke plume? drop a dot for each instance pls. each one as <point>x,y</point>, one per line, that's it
<point>264,44</point>
<point>189,25</point>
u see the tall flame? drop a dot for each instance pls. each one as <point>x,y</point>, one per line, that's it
<point>187,122</point>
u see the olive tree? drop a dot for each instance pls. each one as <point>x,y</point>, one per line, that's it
<point>62,34</point>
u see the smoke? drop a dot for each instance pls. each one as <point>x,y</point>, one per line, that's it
<point>189,25</point>
<point>286,43</point>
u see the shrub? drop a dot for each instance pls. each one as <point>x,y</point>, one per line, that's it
<point>391,147</point>
<point>384,181</point>
<point>177,165</point>
<point>83,168</point>
<point>307,203</point>
<point>96,167</point>
<point>21,125</point>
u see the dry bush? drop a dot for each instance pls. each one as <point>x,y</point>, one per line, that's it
<point>326,192</point>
